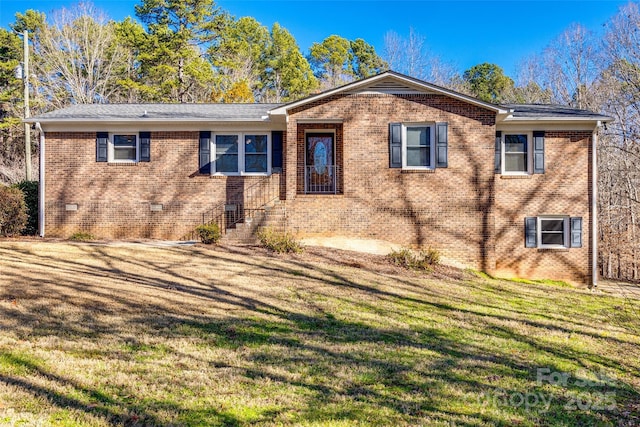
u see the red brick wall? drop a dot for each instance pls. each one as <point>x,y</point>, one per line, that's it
<point>114,199</point>
<point>466,211</point>
<point>449,209</point>
<point>470,214</point>
<point>562,190</point>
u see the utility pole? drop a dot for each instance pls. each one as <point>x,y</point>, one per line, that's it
<point>27,114</point>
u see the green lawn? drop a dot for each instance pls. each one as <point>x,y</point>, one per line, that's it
<point>135,335</point>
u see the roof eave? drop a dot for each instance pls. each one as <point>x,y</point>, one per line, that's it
<point>556,119</point>
<point>144,120</point>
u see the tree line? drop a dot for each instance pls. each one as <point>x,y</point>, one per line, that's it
<point>193,51</point>
<point>175,51</point>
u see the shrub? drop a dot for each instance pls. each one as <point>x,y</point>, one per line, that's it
<point>403,257</point>
<point>82,236</point>
<point>279,242</point>
<point>13,211</point>
<point>30,191</point>
<point>430,256</point>
<point>209,233</point>
<point>425,259</point>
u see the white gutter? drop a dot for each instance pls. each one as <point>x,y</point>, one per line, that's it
<point>41,193</point>
<point>144,120</point>
<point>594,207</point>
<point>510,119</point>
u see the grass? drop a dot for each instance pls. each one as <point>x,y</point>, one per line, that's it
<point>137,335</point>
<point>81,236</point>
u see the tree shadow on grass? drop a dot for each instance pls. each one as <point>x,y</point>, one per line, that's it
<point>82,398</point>
<point>389,378</point>
<point>338,341</point>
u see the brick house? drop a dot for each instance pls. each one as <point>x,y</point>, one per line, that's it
<point>507,189</point>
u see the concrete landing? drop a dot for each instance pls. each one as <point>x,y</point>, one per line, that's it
<point>371,246</point>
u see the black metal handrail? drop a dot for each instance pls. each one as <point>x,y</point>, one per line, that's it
<point>321,179</point>
<point>243,204</point>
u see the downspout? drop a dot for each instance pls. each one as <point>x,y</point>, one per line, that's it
<point>41,193</point>
<point>594,207</point>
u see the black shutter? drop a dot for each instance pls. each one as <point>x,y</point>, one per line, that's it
<point>538,152</point>
<point>395,145</point>
<point>102,140</point>
<point>441,145</point>
<point>276,149</point>
<point>576,232</point>
<point>205,152</point>
<point>498,155</point>
<point>530,232</point>
<point>145,146</point>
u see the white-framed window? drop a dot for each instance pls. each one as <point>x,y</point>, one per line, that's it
<point>241,153</point>
<point>226,150</point>
<point>516,153</point>
<point>256,153</point>
<point>553,232</point>
<point>123,147</point>
<point>418,145</point>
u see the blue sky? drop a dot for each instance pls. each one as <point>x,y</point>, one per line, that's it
<point>464,33</point>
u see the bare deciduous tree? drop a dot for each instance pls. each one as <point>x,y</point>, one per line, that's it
<point>601,74</point>
<point>411,56</point>
<point>528,89</point>
<point>566,71</point>
<point>619,153</point>
<point>77,57</point>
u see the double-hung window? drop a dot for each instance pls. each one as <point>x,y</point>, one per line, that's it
<point>520,153</point>
<point>418,148</point>
<point>255,153</point>
<point>227,150</point>
<point>516,153</point>
<point>124,148</point>
<point>241,153</point>
<point>421,146</point>
<point>553,232</point>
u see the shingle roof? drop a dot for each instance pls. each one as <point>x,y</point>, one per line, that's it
<point>164,112</point>
<point>539,111</point>
<point>259,112</point>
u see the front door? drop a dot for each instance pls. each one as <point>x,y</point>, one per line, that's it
<point>320,171</point>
